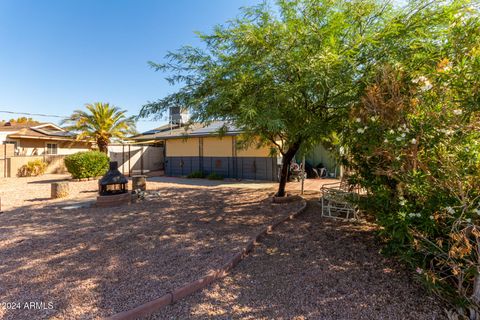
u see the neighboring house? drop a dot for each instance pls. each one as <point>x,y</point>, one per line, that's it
<point>41,139</point>
<point>21,143</point>
<point>201,148</point>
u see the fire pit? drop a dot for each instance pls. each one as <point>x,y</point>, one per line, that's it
<point>113,182</point>
<point>113,188</point>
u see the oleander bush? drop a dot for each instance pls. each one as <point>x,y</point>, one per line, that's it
<point>87,164</point>
<point>32,168</point>
<point>413,143</point>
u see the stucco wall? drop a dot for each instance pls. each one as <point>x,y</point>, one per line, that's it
<point>253,151</point>
<point>34,147</point>
<point>218,147</point>
<point>6,151</point>
<point>55,164</point>
<point>182,147</point>
<point>212,147</point>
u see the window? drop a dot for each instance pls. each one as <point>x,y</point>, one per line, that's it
<point>52,148</point>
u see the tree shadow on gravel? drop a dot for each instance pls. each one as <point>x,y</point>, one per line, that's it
<point>312,268</point>
<point>96,262</point>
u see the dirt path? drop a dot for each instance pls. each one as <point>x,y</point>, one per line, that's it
<point>313,268</point>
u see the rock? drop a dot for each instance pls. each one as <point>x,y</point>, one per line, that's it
<point>59,190</point>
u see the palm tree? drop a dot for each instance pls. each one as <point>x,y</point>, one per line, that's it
<point>100,122</point>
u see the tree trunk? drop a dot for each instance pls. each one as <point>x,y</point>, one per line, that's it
<point>287,157</point>
<point>102,145</point>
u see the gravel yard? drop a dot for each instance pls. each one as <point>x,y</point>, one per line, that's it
<point>95,262</point>
<point>312,268</point>
<point>91,263</point>
<point>35,191</point>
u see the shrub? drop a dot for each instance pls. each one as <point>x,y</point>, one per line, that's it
<point>196,174</point>
<point>215,176</point>
<point>32,168</point>
<point>87,164</point>
<point>413,144</point>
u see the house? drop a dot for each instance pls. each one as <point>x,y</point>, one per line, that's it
<point>21,143</point>
<point>201,148</point>
<point>40,139</point>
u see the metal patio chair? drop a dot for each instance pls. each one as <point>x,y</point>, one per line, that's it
<point>339,199</point>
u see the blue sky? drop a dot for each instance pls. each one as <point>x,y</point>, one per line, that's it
<point>57,55</point>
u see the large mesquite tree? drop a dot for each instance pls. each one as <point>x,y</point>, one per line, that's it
<point>286,77</point>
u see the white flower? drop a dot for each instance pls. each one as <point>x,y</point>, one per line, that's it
<point>386,140</point>
<point>411,214</point>
<point>358,120</point>
<point>418,270</point>
<point>403,202</point>
<point>450,210</point>
<point>420,79</point>
<point>426,86</point>
<point>398,158</point>
<point>414,141</point>
<point>403,135</point>
<point>468,220</point>
<point>360,130</point>
<point>391,131</point>
<point>432,218</point>
<point>447,132</point>
<point>373,119</point>
<point>457,112</point>
<point>399,138</point>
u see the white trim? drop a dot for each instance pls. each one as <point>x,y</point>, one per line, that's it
<point>49,124</point>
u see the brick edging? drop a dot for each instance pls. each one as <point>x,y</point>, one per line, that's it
<point>201,283</point>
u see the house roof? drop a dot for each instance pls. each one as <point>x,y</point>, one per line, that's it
<point>45,131</point>
<point>14,127</point>
<point>193,130</point>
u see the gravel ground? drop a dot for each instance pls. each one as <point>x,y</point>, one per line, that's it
<point>312,268</point>
<point>35,191</point>
<point>90,263</point>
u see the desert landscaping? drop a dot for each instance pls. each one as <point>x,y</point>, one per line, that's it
<point>91,263</point>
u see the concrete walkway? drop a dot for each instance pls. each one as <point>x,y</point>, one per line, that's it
<point>309,185</point>
<point>227,183</point>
